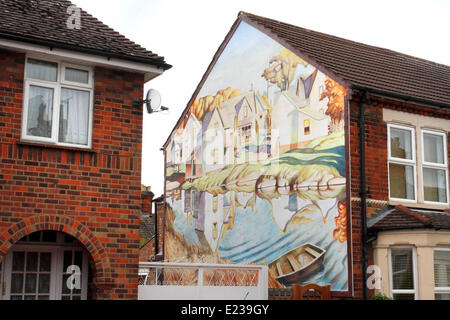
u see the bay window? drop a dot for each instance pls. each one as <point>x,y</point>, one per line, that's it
<point>442,273</point>
<point>57,103</point>
<point>403,273</point>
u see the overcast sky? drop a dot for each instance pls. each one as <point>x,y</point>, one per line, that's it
<point>188,33</point>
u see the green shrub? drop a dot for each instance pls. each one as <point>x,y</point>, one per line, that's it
<point>380,296</point>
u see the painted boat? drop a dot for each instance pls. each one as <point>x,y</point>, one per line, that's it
<point>297,264</point>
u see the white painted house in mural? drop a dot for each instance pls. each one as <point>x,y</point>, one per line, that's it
<point>213,141</point>
<point>296,121</point>
<point>191,137</point>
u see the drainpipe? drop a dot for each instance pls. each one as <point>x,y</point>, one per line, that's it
<point>363,190</point>
<point>155,215</point>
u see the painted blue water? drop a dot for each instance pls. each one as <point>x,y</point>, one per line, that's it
<point>256,238</point>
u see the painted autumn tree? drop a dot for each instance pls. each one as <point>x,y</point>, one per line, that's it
<point>282,68</point>
<point>200,107</point>
<point>335,94</point>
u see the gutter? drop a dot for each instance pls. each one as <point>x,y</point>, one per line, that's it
<point>156,228</point>
<point>399,96</point>
<point>54,44</point>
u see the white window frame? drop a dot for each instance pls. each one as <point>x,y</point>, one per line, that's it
<point>57,249</point>
<point>391,276</point>
<point>32,248</point>
<point>438,290</point>
<point>65,65</point>
<point>57,86</point>
<point>400,161</point>
<point>432,165</point>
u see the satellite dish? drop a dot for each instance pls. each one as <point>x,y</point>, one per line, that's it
<point>153,101</point>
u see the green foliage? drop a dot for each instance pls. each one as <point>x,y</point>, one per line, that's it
<point>380,296</point>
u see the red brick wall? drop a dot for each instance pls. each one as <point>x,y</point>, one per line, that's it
<point>98,189</point>
<point>147,251</point>
<point>377,178</point>
<point>160,225</point>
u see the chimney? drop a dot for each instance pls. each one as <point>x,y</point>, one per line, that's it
<point>300,89</point>
<point>146,199</point>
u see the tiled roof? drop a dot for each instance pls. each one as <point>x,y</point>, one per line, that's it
<point>400,217</point>
<point>45,22</point>
<point>363,65</point>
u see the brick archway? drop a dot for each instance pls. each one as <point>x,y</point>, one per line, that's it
<point>102,279</point>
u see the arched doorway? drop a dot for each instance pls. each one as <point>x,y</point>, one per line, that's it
<point>46,265</point>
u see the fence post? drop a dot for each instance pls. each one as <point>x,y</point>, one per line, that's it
<point>200,277</point>
<point>263,282</point>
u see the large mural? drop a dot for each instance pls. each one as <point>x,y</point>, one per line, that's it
<point>255,171</point>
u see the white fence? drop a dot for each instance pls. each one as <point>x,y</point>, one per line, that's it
<point>185,281</point>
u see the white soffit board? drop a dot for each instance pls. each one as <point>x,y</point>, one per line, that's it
<point>149,71</point>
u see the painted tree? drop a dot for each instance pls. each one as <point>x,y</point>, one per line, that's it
<point>282,68</point>
<point>335,94</point>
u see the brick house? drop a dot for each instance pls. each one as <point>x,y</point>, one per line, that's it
<point>70,176</point>
<point>372,190</point>
<point>152,217</point>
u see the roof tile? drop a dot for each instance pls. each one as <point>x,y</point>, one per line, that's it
<point>46,21</point>
<point>364,65</point>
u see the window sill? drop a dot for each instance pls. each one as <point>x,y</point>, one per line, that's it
<point>419,205</point>
<point>54,146</point>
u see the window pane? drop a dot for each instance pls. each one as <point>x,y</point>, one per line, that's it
<point>40,112</point>
<point>65,286</point>
<point>441,268</point>
<point>76,75</point>
<point>442,296</point>
<point>433,148</point>
<point>30,283</point>
<point>49,236</point>
<point>402,269</point>
<point>74,116</point>
<point>434,185</point>
<point>42,70</point>
<point>44,283</point>
<point>401,143</point>
<point>78,259</point>
<point>18,261</point>
<point>401,178</point>
<point>17,283</point>
<point>35,236</point>
<point>403,296</point>
<point>32,261</point>
<point>67,260</point>
<point>45,263</point>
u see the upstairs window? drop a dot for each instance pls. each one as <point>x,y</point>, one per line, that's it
<point>57,103</point>
<point>402,162</point>
<point>418,172</point>
<point>434,167</point>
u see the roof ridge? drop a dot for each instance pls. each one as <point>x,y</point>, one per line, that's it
<point>413,214</point>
